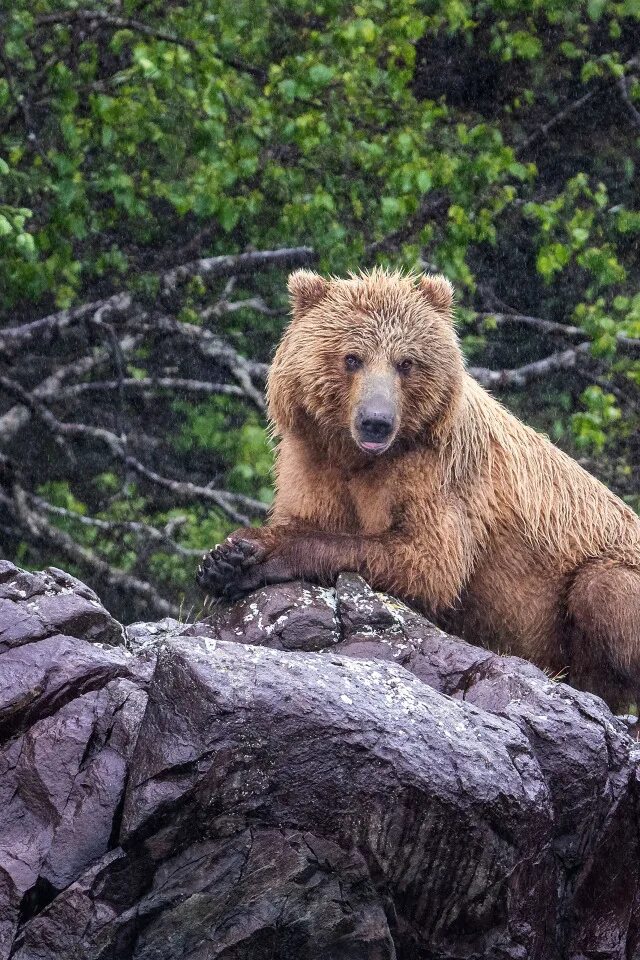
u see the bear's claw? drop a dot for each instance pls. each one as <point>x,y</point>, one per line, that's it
<point>222,568</point>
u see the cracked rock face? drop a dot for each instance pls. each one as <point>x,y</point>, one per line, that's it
<point>308,773</point>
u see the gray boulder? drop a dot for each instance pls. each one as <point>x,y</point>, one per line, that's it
<point>308,773</point>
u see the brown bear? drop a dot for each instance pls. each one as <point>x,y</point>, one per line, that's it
<point>394,463</point>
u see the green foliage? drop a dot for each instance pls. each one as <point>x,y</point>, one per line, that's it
<point>591,425</point>
<point>319,138</point>
<point>236,436</point>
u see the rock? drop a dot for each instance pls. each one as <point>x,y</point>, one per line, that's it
<point>38,605</point>
<point>308,773</point>
<point>293,617</point>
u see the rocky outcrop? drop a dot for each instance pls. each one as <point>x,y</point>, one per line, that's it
<point>308,773</point>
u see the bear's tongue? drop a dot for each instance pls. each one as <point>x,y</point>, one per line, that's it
<point>373,446</point>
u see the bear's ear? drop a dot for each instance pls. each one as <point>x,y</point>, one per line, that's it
<point>307,290</point>
<point>438,291</point>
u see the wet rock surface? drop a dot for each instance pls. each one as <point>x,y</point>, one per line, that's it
<point>308,773</point>
<point>38,605</point>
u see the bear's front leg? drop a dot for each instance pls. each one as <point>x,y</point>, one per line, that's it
<point>393,562</point>
<point>255,557</point>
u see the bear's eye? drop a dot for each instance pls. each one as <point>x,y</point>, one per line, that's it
<point>352,363</point>
<point>404,366</point>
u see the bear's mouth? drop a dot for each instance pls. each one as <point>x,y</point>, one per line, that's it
<point>370,446</point>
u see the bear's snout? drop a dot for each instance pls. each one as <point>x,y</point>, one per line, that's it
<point>375,425</point>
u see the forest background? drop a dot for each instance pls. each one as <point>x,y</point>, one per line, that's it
<point>163,166</point>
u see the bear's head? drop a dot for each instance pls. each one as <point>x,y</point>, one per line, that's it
<point>367,361</point>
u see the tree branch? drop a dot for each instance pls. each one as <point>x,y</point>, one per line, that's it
<point>13,339</point>
<point>186,490</point>
<point>212,347</point>
<point>102,18</point>
<point>230,306</point>
<point>573,106</point>
<point>146,384</point>
<point>433,205</point>
<point>16,418</point>
<point>547,327</point>
<point>544,129</point>
<point>144,530</point>
<point>44,532</point>
<point>522,376</point>
<point>224,499</point>
<point>238,264</point>
<point>627,345</point>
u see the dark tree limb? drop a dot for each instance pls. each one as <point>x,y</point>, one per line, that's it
<point>543,131</point>
<point>547,327</point>
<point>573,106</point>
<point>433,206</point>
<point>634,113</point>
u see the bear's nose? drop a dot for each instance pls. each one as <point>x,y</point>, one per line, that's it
<point>375,427</point>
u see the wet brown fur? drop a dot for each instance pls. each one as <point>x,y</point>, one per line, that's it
<point>471,515</point>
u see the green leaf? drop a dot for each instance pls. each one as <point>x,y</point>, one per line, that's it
<point>424,181</point>
<point>595,8</point>
<point>320,75</point>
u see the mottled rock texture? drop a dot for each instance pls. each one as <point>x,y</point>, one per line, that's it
<point>309,773</point>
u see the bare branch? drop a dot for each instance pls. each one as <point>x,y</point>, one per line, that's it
<point>95,18</point>
<point>224,499</point>
<point>42,531</point>
<point>210,345</point>
<point>214,348</point>
<point>230,306</point>
<point>574,106</point>
<point>13,388</point>
<point>14,338</point>
<point>147,384</point>
<point>626,345</point>
<point>50,388</point>
<point>144,530</point>
<point>548,327</point>
<point>544,129</point>
<point>239,264</point>
<point>432,206</point>
<point>186,490</point>
<point>521,376</point>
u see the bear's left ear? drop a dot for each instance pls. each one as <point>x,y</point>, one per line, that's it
<point>438,291</point>
<point>307,290</point>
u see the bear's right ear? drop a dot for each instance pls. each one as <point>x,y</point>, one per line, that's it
<point>438,291</point>
<point>307,290</point>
